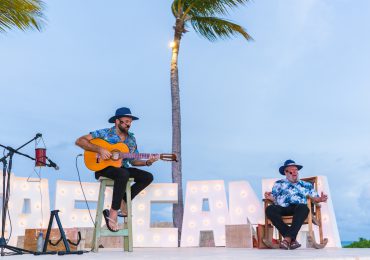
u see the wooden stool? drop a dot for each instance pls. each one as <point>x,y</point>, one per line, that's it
<point>126,232</point>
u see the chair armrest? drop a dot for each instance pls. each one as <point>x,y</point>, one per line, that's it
<point>310,200</point>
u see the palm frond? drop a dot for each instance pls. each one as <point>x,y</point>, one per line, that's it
<point>210,7</point>
<point>22,14</point>
<point>214,28</point>
<point>174,9</point>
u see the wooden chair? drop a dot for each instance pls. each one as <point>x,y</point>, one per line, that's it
<point>126,232</point>
<point>314,217</point>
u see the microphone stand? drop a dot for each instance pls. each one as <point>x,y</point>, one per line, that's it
<point>6,193</point>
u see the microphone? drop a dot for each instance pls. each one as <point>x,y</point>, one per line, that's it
<point>52,164</point>
<point>38,135</point>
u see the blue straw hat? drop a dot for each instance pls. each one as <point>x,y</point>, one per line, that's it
<point>120,112</point>
<point>289,163</point>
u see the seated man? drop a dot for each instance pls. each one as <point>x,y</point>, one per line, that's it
<point>119,133</point>
<point>289,197</point>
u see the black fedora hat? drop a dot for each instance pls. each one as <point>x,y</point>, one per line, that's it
<point>121,112</point>
<point>289,163</point>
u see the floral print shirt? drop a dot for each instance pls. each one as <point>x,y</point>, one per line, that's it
<point>287,193</point>
<point>110,135</point>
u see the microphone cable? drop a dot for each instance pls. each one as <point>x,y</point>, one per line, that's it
<point>10,220</point>
<point>83,192</point>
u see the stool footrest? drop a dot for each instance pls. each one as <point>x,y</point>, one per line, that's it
<point>108,233</point>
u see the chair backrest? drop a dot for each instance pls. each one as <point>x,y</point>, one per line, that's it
<point>313,181</point>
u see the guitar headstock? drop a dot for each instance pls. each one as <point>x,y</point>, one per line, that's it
<point>168,157</point>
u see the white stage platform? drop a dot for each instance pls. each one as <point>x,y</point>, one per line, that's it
<point>215,253</point>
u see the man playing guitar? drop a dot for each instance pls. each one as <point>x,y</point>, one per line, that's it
<point>119,133</point>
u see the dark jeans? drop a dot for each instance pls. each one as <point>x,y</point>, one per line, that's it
<point>299,213</point>
<point>120,176</point>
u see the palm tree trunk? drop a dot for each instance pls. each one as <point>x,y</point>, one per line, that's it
<point>178,209</point>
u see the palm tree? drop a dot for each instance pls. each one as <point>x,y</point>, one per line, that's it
<point>202,16</point>
<point>21,14</point>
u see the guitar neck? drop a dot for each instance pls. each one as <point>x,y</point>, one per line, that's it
<point>138,155</point>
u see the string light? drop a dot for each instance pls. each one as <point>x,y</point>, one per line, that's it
<point>157,192</point>
<point>206,222</point>
<point>205,188</point>
<point>243,194</point>
<point>25,186</point>
<point>190,239</point>
<point>219,204</point>
<point>217,187</point>
<point>172,238</point>
<point>191,224</point>
<point>221,220</point>
<point>252,208</point>
<point>140,238</point>
<point>156,238</point>
<point>238,211</point>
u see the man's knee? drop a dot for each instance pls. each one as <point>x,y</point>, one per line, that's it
<point>303,208</point>
<point>270,211</point>
<point>149,178</point>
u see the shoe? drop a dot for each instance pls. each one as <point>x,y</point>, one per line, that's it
<point>294,244</point>
<point>284,244</point>
<point>107,219</point>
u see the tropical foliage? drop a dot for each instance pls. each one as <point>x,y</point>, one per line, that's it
<point>21,14</point>
<point>362,243</point>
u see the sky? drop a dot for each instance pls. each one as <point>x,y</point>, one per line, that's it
<point>299,91</point>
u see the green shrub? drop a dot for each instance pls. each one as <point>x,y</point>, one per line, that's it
<point>362,243</point>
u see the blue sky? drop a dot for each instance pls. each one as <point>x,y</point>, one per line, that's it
<point>300,91</point>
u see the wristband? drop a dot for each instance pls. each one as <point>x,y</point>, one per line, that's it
<point>146,163</point>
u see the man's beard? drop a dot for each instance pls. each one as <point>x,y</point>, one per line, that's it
<point>123,130</point>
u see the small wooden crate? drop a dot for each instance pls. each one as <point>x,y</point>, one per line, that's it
<point>31,235</point>
<point>239,236</point>
<point>206,239</point>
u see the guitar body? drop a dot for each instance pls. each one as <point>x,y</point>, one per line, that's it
<point>95,163</point>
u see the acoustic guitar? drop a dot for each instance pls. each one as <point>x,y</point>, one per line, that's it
<point>119,152</point>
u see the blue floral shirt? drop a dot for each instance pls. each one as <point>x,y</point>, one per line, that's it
<point>110,135</point>
<point>287,193</point>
